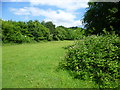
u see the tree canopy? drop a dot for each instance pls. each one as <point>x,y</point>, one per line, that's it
<point>102,16</point>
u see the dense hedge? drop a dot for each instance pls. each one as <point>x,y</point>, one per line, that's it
<point>35,31</point>
<point>95,57</point>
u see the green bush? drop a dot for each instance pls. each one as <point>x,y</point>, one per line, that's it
<point>96,58</point>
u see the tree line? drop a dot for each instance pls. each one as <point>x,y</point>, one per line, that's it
<point>100,18</point>
<point>35,31</point>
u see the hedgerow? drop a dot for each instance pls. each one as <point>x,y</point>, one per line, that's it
<point>96,58</point>
<point>35,31</point>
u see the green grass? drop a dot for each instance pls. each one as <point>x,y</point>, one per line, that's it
<point>0,66</point>
<point>35,66</point>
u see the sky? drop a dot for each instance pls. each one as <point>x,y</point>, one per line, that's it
<point>67,13</point>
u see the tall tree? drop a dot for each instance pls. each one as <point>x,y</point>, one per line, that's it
<point>102,16</point>
<point>51,26</point>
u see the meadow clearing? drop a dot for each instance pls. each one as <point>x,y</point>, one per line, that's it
<point>35,65</point>
<point>35,48</point>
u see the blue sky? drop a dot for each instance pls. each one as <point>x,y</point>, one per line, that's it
<point>61,12</point>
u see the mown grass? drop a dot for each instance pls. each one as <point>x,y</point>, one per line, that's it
<point>0,66</point>
<point>35,66</point>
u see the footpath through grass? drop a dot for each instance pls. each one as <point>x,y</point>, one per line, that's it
<point>35,66</point>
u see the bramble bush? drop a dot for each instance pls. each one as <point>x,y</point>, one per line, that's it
<point>96,58</point>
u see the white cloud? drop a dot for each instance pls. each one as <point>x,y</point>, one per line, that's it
<point>67,24</point>
<point>69,5</point>
<point>58,17</point>
<point>20,11</point>
<point>66,16</point>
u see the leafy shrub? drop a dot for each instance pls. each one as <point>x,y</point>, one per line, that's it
<point>15,32</point>
<point>95,57</point>
<point>50,37</point>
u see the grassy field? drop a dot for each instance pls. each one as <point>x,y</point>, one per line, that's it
<point>35,66</point>
<point>0,66</point>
